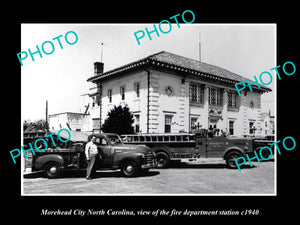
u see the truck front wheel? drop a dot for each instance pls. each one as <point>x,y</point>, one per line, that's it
<point>230,159</point>
<point>52,169</point>
<point>129,169</point>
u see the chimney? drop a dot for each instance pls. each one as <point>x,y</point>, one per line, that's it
<point>98,68</point>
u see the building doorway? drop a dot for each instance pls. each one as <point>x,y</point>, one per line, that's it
<point>231,127</point>
<point>213,128</point>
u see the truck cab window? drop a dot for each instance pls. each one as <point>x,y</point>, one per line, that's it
<point>101,141</point>
<point>114,139</point>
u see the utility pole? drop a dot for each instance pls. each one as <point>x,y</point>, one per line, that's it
<point>101,51</point>
<point>200,46</point>
<point>99,89</point>
<point>47,127</point>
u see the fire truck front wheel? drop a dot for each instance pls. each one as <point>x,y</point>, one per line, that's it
<point>230,159</point>
<point>162,160</point>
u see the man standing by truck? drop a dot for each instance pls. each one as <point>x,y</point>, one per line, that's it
<point>91,154</point>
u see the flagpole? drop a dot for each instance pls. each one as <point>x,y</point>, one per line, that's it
<point>101,51</point>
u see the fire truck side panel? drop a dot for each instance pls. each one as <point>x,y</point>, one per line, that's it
<point>201,144</point>
<point>175,150</point>
<point>201,147</point>
<point>215,148</point>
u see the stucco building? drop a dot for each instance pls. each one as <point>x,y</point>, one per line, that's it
<point>70,120</point>
<point>172,93</point>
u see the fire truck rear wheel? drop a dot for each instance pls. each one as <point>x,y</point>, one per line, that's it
<point>264,153</point>
<point>162,159</point>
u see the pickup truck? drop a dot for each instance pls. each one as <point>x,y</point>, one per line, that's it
<point>199,144</point>
<point>130,159</point>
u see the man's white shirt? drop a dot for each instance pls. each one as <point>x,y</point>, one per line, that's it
<point>90,148</point>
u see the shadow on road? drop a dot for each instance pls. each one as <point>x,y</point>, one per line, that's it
<point>112,174</point>
<point>82,174</point>
<point>184,165</point>
<point>34,175</point>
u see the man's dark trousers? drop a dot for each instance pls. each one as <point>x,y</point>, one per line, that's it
<point>91,167</point>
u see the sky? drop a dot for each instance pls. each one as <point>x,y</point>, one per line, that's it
<point>60,77</point>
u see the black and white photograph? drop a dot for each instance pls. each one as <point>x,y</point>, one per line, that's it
<point>166,114</point>
<point>149,112</point>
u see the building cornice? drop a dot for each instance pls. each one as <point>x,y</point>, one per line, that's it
<point>152,62</point>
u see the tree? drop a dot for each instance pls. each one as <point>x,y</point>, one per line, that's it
<point>36,125</point>
<point>119,121</point>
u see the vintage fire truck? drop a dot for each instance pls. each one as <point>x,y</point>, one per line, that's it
<point>199,144</point>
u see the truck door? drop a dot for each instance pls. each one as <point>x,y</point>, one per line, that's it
<point>105,151</point>
<point>201,143</point>
<point>215,147</point>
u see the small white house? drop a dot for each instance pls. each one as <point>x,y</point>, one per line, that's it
<point>268,126</point>
<point>70,120</point>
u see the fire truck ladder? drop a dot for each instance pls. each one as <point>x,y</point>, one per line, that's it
<point>157,138</point>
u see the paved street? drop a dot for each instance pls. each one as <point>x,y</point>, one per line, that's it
<point>206,176</point>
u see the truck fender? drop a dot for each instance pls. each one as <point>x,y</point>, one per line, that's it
<point>126,156</point>
<point>161,149</point>
<point>41,161</point>
<point>227,151</point>
<point>130,166</point>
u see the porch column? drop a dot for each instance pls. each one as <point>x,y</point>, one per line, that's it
<point>205,108</point>
<point>225,122</point>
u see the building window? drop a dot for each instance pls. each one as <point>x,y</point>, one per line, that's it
<point>96,125</point>
<point>137,123</point>
<point>122,93</point>
<point>232,99</point>
<point>94,100</point>
<point>266,124</point>
<point>168,123</point>
<point>215,96</point>
<point>231,127</point>
<point>98,100</point>
<point>109,94</point>
<point>137,89</point>
<point>194,124</point>
<point>196,93</point>
<point>252,128</point>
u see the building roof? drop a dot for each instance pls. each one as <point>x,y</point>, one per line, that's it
<point>183,65</point>
<point>75,136</point>
<point>72,113</point>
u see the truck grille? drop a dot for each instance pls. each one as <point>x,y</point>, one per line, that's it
<point>149,158</point>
